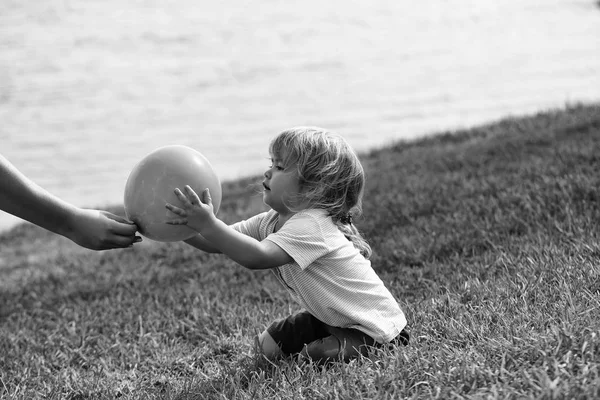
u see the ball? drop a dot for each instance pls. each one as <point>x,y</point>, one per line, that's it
<point>151,185</point>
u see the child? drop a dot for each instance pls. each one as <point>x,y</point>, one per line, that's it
<point>314,187</point>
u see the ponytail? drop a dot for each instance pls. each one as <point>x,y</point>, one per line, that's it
<point>345,225</point>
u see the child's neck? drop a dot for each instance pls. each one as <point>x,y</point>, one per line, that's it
<point>282,218</point>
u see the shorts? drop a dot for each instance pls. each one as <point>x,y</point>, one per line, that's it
<point>302,333</point>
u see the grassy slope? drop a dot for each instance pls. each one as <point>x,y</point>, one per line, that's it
<point>487,237</point>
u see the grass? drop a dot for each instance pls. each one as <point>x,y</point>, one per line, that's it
<point>488,237</point>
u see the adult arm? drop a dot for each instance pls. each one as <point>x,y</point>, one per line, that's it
<point>93,229</point>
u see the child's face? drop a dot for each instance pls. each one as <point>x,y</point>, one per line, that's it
<point>281,186</point>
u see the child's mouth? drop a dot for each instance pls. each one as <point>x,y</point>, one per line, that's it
<point>266,187</point>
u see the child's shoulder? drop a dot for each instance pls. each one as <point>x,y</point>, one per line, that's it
<point>258,220</point>
<point>312,213</point>
<point>313,218</point>
<point>268,216</point>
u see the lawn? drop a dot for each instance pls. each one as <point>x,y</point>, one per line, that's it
<point>488,238</point>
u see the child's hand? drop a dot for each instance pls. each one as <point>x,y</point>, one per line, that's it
<point>195,213</point>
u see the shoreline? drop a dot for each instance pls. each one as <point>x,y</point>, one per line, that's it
<point>424,140</point>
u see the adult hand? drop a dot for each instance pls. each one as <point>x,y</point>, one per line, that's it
<point>194,212</point>
<point>101,230</point>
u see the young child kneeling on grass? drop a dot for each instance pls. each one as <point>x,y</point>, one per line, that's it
<point>313,187</point>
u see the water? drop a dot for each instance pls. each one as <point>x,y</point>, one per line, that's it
<point>87,88</point>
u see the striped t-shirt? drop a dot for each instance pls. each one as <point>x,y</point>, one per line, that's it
<point>329,277</point>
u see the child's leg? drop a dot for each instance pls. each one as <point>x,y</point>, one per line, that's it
<point>268,347</point>
<point>342,344</point>
<point>289,335</point>
<point>304,334</point>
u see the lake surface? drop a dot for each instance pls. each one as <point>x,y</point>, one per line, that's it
<point>87,88</point>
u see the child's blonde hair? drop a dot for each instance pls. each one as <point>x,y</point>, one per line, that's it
<point>330,174</point>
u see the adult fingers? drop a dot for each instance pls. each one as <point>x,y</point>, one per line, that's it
<point>117,218</point>
<point>120,225</point>
<point>122,241</point>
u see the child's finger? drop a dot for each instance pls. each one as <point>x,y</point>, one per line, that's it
<point>206,196</point>
<point>192,195</point>
<point>181,196</point>
<point>175,209</point>
<point>178,221</point>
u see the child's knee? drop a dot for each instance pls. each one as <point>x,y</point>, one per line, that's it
<point>268,346</point>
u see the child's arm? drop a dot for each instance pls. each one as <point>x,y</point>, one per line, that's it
<point>242,249</point>
<point>200,243</point>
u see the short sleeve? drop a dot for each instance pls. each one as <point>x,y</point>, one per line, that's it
<point>251,226</point>
<point>302,238</point>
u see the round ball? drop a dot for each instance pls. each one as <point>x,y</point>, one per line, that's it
<point>151,185</point>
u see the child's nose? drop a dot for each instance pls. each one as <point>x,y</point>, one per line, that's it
<point>268,174</point>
